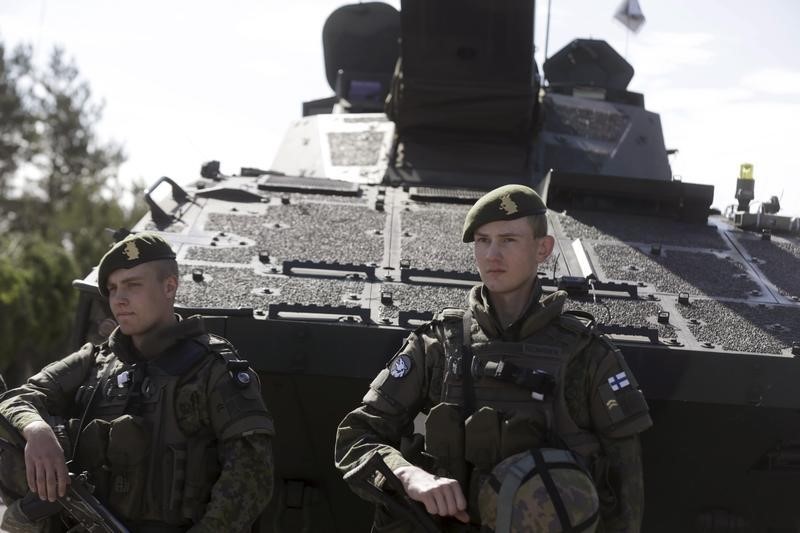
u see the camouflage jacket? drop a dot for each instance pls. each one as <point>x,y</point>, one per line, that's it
<point>384,421</point>
<point>207,401</point>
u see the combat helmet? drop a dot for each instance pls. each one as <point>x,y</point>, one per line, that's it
<point>539,490</point>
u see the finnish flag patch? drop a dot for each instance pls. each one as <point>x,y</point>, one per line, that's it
<point>619,381</point>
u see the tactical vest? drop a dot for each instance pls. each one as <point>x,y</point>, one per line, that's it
<point>500,398</point>
<point>149,445</point>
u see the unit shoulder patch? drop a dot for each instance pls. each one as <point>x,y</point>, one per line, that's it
<point>400,365</point>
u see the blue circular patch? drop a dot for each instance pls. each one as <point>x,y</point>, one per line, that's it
<point>400,366</point>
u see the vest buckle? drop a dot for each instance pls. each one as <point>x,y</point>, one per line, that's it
<point>454,362</point>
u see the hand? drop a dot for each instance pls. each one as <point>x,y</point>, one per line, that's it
<point>45,467</point>
<point>442,496</point>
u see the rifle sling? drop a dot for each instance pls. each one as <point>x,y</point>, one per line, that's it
<point>468,403</point>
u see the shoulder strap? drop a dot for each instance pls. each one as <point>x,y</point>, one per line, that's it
<point>238,369</point>
<point>468,405</point>
<point>466,328</point>
<point>457,325</point>
<point>221,346</point>
<point>578,321</point>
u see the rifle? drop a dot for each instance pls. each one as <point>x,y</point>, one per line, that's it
<point>398,502</point>
<point>78,502</point>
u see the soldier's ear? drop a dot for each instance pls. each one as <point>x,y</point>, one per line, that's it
<point>544,248</point>
<point>170,286</point>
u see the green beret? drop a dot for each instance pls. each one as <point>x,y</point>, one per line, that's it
<point>133,250</point>
<point>504,203</point>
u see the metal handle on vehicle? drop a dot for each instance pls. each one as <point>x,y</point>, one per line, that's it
<point>160,217</point>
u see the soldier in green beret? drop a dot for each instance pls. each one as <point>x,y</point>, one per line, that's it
<point>166,419</point>
<point>532,416</point>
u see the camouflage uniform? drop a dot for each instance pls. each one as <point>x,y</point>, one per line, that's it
<point>180,441</point>
<point>416,378</point>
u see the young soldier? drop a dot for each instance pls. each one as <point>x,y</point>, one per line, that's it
<point>166,419</point>
<point>533,418</point>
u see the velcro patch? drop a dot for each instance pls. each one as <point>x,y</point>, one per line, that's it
<point>619,381</point>
<point>609,397</point>
<point>400,365</point>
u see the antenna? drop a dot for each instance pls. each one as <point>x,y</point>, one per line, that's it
<point>547,32</point>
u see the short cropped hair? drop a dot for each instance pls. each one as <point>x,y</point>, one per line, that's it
<point>538,225</point>
<point>166,268</point>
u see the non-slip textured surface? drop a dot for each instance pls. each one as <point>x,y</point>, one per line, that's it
<point>676,271</point>
<point>631,228</point>
<point>743,327</point>
<point>233,288</point>
<point>432,239</point>
<point>779,261</point>
<point>310,232</point>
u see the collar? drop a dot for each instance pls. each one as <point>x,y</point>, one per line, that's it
<point>156,345</point>
<point>538,313</point>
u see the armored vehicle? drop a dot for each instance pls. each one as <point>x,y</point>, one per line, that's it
<point>319,266</point>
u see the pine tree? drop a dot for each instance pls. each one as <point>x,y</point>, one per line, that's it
<point>17,131</point>
<point>52,229</point>
<point>36,297</point>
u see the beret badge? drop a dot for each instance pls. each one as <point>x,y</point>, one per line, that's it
<point>131,251</point>
<point>508,205</point>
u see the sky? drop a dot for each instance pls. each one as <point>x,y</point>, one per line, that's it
<point>189,81</point>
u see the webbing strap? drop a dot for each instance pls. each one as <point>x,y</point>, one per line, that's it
<point>134,405</point>
<point>539,382</point>
<point>466,364</point>
<point>552,490</point>
<point>466,328</point>
<point>505,499</point>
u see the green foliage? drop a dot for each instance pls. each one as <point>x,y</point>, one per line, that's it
<point>52,229</point>
<point>71,158</point>
<point>17,132</point>
<point>71,189</point>
<point>36,296</point>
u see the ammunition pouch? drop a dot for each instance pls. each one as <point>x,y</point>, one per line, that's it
<point>444,431</point>
<point>200,469</point>
<point>482,443</point>
<point>482,438</point>
<point>92,454</point>
<point>519,430</point>
<point>128,448</point>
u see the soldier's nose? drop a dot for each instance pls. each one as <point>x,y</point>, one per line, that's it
<point>493,252</point>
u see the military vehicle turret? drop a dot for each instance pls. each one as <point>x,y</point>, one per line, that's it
<point>317,267</point>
